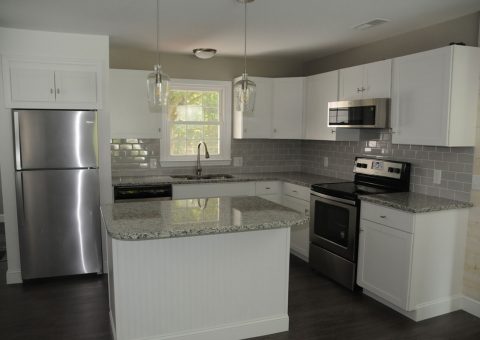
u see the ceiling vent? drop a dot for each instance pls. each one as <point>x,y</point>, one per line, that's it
<point>370,24</point>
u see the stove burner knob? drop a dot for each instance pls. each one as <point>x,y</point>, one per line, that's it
<point>397,171</point>
<point>390,169</point>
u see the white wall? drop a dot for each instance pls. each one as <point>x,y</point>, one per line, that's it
<point>14,42</point>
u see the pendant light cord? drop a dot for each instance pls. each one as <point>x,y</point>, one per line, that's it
<point>158,30</point>
<point>245,40</point>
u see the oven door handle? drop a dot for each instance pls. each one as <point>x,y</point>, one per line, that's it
<point>336,199</point>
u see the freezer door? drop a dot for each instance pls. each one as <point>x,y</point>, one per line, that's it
<point>59,222</point>
<point>55,139</point>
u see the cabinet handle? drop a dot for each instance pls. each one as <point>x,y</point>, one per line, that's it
<point>383,216</point>
<point>363,89</point>
<point>267,188</point>
<point>58,91</point>
<point>361,229</point>
<point>275,130</point>
<point>306,211</point>
<point>51,91</point>
<point>295,191</point>
<point>333,131</point>
<point>358,90</point>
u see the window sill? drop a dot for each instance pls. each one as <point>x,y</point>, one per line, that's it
<point>204,163</point>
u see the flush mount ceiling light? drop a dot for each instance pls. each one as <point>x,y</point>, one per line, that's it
<point>204,53</point>
<point>370,24</point>
<point>158,82</point>
<point>244,90</point>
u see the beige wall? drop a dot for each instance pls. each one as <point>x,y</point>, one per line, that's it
<point>463,29</point>
<point>189,67</point>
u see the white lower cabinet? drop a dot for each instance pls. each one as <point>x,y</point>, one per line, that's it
<point>384,262</point>
<point>412,262</point>
<point>269,190</point>
<point>297,197</point>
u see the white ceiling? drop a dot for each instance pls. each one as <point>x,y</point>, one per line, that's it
<point>288,28</point>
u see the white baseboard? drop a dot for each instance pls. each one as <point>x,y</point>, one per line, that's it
<point>427,310</point>
<point>471,306</point>
<point>14,276</point>
<point>2,218</point>
<point>240,330</point>
<point>299,254</point>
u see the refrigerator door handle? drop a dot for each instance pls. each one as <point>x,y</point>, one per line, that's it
<point>20,199</point>
<point>18,153</point>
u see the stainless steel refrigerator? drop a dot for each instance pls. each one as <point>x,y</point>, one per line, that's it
<point>57,192</point>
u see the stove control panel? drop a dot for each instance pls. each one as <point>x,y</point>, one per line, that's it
<point>378,167</point>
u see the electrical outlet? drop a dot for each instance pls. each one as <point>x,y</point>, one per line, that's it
<point>437,176</point>
<point>153,163</point>
<point>325,162</point>
<point>237,161</point>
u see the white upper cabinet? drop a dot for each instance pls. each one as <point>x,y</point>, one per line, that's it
<point>278,110</point>
<point>288,107</point>
<point>258,124</point>
<point>76,86</point>
<point>366,81</point>
<point>435,96</point>
<point>130,116</point>
<point>52,85</point>
<point>319,90</point>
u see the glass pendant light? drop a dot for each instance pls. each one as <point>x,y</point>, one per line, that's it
<point>158,82</point>
<point>244,90</point>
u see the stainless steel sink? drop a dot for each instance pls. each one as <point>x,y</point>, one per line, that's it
<point>193,177</point>
<point>216,176</point>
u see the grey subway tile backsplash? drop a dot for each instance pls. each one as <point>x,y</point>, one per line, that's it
<point>133,157</point>
<point>456,164</point>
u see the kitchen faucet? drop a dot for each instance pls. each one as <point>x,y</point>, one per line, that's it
<point>198,168</point>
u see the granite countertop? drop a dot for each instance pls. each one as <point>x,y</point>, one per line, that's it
<point>299,178</point>
<point>414,202</point>
<point>193,217</point>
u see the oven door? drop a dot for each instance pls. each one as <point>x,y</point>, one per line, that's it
<point>333,224</point>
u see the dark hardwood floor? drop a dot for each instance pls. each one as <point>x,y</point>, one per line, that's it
<point>77,308</point>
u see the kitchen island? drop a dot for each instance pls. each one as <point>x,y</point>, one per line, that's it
<point>211,269</point>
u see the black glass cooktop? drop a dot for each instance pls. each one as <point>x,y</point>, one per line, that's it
<point>348,190</point>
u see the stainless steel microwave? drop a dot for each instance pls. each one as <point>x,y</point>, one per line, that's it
<point>364,113</point>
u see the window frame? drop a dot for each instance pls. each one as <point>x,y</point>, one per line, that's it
<point>225,124</point>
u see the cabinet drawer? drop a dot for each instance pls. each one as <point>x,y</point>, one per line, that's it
<point>297,191</point>
<point>387,216</point>
<point>268,188</point>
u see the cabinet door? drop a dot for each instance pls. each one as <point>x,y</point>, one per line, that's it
<point>299,236</point>
<point>258,124</point>
<point>319,90</point>
<point>351,83</point>
<point>76,86</point>
<point>420,98</point>
<point>127,94</point>
<point>384,257</point>
<point>30,84</point>
<point>378,79</point>
<point>287,108</point>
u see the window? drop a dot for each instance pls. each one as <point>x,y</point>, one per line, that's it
<point>197,111</point>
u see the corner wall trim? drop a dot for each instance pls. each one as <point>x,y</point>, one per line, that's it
<point>471,306</point>
<point>14,276</point>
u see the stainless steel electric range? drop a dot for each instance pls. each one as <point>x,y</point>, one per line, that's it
<point>335,210</point>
